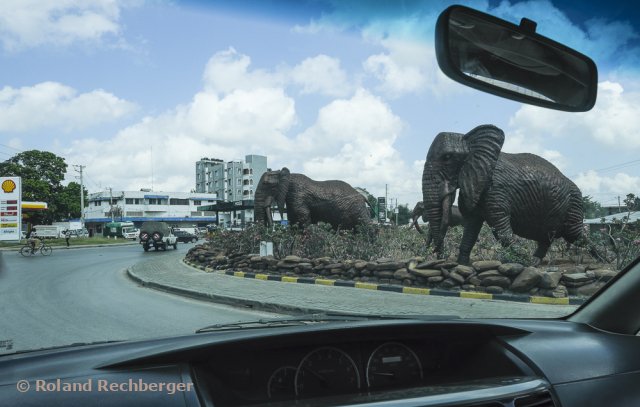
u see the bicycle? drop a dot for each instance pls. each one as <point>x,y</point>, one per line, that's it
<point>44,250</point>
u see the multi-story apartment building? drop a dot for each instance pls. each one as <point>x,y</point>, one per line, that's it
<point>232,182</point>
<point>176,208</point>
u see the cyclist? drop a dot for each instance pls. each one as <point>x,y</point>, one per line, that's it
<point>33,238</point>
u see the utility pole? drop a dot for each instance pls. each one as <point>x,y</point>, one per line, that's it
<point>619,210</point>
<point>386,198</point>
<point>111,202</point>
<point>395,210</point>
<point>79,169</point>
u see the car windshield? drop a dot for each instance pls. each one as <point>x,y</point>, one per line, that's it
<point>316,159</point>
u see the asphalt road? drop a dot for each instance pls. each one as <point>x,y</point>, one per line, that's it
<point>83,295</point>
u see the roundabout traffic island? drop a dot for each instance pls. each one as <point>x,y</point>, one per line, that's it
<point>482,276</point>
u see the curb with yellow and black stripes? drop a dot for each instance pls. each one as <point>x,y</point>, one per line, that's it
<point>395,288</point>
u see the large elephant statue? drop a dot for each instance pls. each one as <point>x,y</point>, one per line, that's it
<point>514,193</point>
<point>308,201</point>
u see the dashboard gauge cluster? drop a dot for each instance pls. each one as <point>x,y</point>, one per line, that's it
<point>332,370</point>
<point>353,366</point>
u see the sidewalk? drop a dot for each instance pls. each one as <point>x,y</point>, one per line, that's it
<point>85,246</point>
<point>170,274</point>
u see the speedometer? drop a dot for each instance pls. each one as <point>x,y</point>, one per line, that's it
<point>393,364</point>
<point>326,370</point>
<point>281,383</point>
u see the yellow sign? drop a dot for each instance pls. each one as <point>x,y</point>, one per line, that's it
<point>8,186</point>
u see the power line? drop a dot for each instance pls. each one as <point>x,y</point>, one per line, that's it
<point>614,167</point>
<point>13,148</point>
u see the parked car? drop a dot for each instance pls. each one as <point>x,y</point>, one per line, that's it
<point>185,237</point>
<point>131,233</point>
<point>158,235</point>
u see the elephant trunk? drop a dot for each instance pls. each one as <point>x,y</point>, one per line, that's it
<point>438,201</point>
<point>262,210</point>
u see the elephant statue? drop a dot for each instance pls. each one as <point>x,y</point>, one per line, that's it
<point>520,194</point>
<point>455,219</point>
<point>308,201</point>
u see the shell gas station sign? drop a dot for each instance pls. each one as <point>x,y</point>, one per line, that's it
<point>10,208</point>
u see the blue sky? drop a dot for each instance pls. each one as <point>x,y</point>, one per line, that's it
<point>332,89</point>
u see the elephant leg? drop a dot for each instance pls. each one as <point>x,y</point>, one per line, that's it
<point>303,217</point>
<point>470,234</point>
<point>501,228</point>
<point>540,252</point>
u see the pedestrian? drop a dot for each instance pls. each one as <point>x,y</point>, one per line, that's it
<point>67,236</point>
<point>32,239</point>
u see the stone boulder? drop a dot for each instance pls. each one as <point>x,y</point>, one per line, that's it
<point>526,280</point>
<point>510,269</point>
<point>464,271</point>
<point>484,265</point>
<point>604,274</point>
<point>550,280</point>
<point>500,281</point>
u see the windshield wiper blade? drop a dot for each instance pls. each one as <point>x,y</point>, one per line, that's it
<point>305,319</point>
<point>308,319</point>
<point>71,345</point>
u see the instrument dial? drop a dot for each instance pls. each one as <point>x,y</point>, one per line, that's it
<point>281,385</point>
<point>393,364</point>
<point>326,370</point>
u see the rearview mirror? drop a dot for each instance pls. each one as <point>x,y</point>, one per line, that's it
<point>495,56</point>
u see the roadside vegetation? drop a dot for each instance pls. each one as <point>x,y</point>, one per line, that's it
<point>619,244</point>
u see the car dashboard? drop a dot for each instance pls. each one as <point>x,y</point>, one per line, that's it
<point>462,363</point>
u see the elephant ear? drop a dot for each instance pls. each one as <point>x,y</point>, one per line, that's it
<point>283,187</point>
<point>484,143</point>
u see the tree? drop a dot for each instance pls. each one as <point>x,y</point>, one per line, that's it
<point>373,202</point>
<point>591,208</point>
<point>42,174</point>
<point>68,201</point>
<point>404,215</point>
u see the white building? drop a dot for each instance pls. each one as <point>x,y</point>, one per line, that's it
<point>234,182</point>
<point>175,208</point>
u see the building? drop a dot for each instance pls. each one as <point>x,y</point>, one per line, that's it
<point>175,208</point>
<point>234,183</point>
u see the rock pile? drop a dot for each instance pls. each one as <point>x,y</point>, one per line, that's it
<point>489,276</point>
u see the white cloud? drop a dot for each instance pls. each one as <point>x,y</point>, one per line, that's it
<point>239,123</point>
<point>620,184</point>
<point>408,67</point>
<point>353,140</point>
<point>612,122</point>
<point>54,105</point>
<point>519,142</point>
<point>30,23</point>
<point>322,74</point>
<point>228,70</point>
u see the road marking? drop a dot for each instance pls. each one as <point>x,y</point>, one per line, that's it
<point>482,296</point>
<point>416,290</point>
<point>368,286</point>
<point>549,300</point>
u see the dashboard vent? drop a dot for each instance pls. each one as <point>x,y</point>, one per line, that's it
<point>535,400</point>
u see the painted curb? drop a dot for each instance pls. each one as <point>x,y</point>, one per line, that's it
<point>397,288</point>
<point>222,299</point>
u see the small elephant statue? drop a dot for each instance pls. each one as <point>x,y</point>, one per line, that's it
<point>455,219</point>
<point>308,201</point>
<point>514,193</point>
